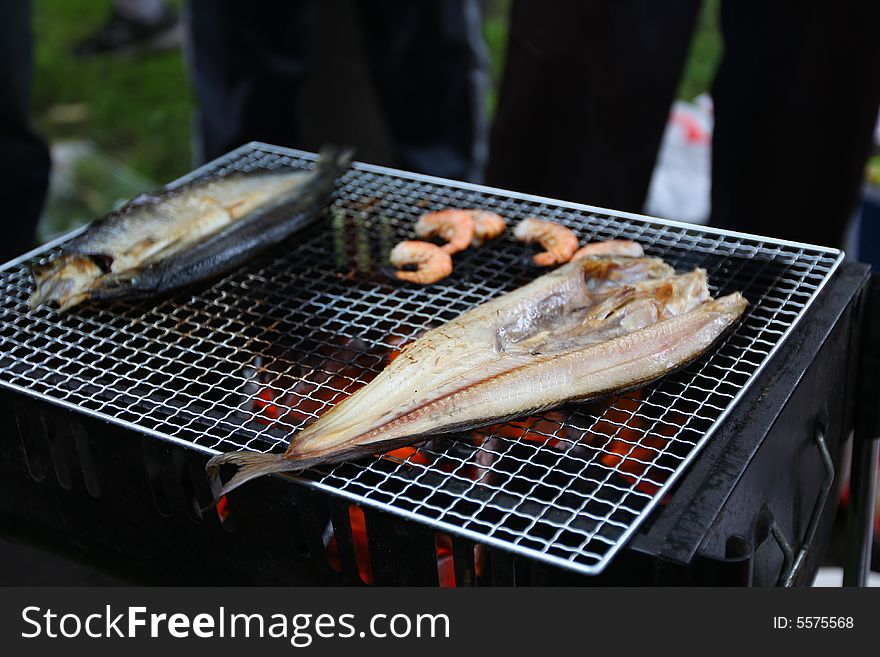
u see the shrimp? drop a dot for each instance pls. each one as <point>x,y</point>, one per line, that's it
<point>559,242</point>
<point>626,248</point>
<point>454,226</point>
<point>487,226</point>
<point>431,261</point>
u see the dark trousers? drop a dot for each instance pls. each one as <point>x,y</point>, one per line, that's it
<point>249,61</point>
<point>588,84</point>
<point>24,157</point>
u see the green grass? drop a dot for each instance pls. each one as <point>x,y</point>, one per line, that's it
<point>495,33</point>
<point>704,54</point>
<point>873,173</point>
<point>137,108</point>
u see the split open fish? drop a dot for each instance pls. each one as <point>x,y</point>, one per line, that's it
<point>595,326</point>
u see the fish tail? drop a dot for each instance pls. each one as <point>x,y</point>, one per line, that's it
<point>250,465</point>
<point>335,157</point>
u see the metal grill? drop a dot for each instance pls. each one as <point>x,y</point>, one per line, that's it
<point>245,362</point>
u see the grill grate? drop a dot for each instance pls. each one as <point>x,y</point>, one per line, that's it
<point>249,359</point>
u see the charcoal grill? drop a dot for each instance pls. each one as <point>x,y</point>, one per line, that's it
<point>119,406</point>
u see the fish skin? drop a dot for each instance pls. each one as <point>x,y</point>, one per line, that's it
<point>228,249</point>
<point>154,227</point>
<point>155,215</point>
<point>595,326</point>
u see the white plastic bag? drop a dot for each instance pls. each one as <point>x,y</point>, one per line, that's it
<point>682,180</point>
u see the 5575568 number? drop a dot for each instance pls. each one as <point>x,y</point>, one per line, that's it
<point>813,622</point>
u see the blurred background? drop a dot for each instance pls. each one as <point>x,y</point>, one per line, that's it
<point>118,111</point>
<point>119,122</point>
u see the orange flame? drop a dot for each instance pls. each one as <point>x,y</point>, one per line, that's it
<point>632,449</point>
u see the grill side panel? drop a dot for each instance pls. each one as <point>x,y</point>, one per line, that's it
<point>146,524</point>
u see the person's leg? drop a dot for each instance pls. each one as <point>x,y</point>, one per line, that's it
<point>247,62</point>
<point>129,25</point>
<point>143,11</point>
<point>24,157</point>
<point>430,67</point>
<point>796,99</point>
<point>585,96</point>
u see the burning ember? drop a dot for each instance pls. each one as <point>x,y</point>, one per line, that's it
<point>361,546</point>
<point>632,449</point>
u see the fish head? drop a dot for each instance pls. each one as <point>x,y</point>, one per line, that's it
<point>65,282</point>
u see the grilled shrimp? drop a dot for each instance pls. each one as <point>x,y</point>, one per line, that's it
<point>610,248</point>
<point>431,261</point>
<point>559,242</point>
<point>454,226</point>
<point>487,226</point>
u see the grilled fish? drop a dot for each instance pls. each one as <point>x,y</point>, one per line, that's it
<point>161,241</point>
<point>595,326</point>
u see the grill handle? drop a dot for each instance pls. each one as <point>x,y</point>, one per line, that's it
<point>791,564</point>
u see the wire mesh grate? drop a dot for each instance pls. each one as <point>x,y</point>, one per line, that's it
<point>244,362</point>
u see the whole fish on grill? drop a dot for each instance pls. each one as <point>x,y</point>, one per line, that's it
<point>595,326</point>
<point>161,241</point>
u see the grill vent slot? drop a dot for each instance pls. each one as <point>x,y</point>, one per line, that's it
<point>58,448</point>
<point>86,460</point>
<point>153,468</point>
<point>188,489</point>
<point>35,449</point>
